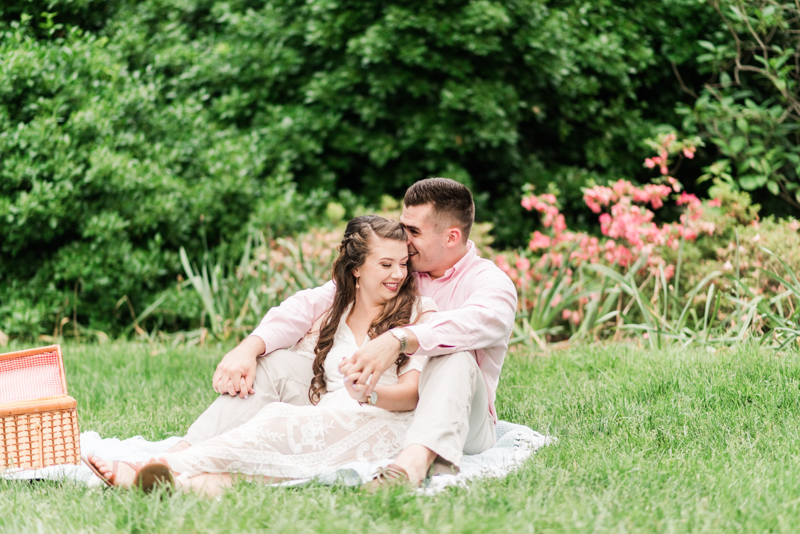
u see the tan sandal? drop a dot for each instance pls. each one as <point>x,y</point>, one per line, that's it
<point>88,460</point>
<point>391,475</point>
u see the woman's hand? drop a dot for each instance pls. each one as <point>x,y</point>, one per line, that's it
<point>236,372</point>
<point>356,391</point>
<point>369,362</point>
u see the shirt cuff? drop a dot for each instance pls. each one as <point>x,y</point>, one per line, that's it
<point>262,335</point>
<point>426,341</point>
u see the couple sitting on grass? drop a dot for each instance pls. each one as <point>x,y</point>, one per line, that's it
<point>385,362</point>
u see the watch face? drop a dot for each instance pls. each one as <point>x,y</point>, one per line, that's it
<point>373,398</point>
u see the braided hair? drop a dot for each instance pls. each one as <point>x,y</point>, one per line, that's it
<point>360,236</point>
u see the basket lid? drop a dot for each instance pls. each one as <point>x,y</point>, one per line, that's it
<point>32,374</point>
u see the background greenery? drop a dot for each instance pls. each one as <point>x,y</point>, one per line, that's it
<point>649,441</point>
<point>129,129</point>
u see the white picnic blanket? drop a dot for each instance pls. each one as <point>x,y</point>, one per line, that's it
<point>515,443</point>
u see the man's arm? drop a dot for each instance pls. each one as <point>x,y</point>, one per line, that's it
<point>280,328</point>
<point>485,319</point>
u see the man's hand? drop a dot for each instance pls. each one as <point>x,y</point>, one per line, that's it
<point>237,370</point>
<point>371,360</point>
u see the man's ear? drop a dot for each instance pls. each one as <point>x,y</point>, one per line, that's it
<point>453,236</point>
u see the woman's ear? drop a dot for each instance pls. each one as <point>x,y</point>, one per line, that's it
<point>356,273</point>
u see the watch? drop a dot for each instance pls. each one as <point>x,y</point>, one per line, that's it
<point>372,400</point>
<point>401,336</point>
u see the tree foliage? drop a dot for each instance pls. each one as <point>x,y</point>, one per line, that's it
<point>131,128</point>
<point>750,108</point>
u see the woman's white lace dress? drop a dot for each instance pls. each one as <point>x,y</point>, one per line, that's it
<point>287,441</point>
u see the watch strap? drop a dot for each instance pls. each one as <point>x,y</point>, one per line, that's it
<point>402,337</point>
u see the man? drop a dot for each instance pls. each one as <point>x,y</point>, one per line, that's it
<point>465,342</point>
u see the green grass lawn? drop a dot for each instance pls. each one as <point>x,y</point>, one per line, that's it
<point>648,442</point>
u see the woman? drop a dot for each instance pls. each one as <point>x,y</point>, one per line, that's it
<point>374,292</point>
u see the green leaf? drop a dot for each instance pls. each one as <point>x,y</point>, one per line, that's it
<point>737,144</point>
<point>749,183</point>
<point>741,123</point>
<point>708,45</point>
<point>773,187</point>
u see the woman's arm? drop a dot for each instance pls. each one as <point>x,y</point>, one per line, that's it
<point>401,397</point>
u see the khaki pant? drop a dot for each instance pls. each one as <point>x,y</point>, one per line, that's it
<point>452,416</point>
<point>281,376</point>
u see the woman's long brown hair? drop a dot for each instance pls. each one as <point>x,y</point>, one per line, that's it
<point>359,237</point>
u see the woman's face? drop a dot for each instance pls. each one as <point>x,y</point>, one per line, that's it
<point>383,272</point>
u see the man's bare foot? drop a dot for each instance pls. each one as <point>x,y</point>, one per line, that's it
<point>180,446</point>
<point>119,474</point>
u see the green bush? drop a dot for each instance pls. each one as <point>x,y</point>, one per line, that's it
<point>102,179</point>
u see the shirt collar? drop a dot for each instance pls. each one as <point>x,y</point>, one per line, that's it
<point>470,255</point>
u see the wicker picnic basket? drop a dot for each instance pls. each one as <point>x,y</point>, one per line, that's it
<point>38,420</point>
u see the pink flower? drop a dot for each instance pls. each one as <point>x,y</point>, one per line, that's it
<point>598,196</point>
<point>523,264</point>
<point>550,213</point>
<point>566,314</point>
<point>592,205</point>
<point>663,169</point>
<point>715,203</point>
<point>605,223</point>
<point>501,262</point>
<point>689,152</point>
<point>559,225</point>
<point>527,202</point>
<point>649,163</point>
<point>556,301</point>
<point>538,241</point>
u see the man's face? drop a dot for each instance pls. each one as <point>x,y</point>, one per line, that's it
<point>426,243</point>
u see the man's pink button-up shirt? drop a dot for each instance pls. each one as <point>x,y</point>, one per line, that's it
<point>476,301</point>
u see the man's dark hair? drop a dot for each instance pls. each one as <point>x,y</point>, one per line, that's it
<point>451,201</point>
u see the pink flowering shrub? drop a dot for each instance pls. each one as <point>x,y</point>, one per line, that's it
<point>570,282</point>
<point>629,231</point>
<point>626,217</point>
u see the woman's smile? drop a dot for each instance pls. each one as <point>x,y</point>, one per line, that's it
<point>391,286</point>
